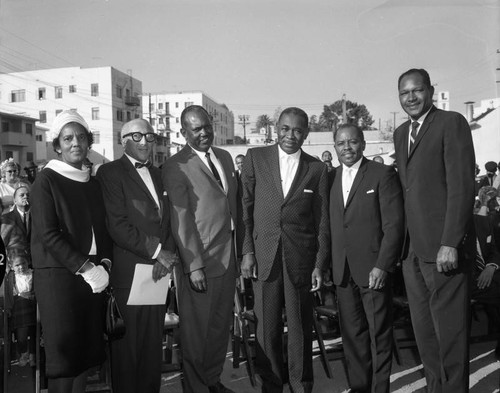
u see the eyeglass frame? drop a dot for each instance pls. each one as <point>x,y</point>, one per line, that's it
<point>12,171</point>
<point>131,134</point>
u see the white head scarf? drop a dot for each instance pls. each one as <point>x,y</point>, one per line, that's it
<point>63,118</point>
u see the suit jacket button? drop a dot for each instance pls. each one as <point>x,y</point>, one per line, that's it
<point>346,226</point>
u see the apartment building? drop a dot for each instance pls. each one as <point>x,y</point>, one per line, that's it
<point>163,110</point>
<point>17,138</point>
<point>104,96</point>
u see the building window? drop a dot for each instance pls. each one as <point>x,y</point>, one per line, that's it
<point>29,156</point>
<point>97,137</point>
<point>177,135</point>
<point>177,120</point>
<point>167,107</point>
<point>127,92</point>
<point>176,104</point>
<point>95,113</point>
<point>160,105</point>
<point>43,116</point>
<point>29,129</point>
<point>18,95</point>
<point>58,91</point>
<point>129,116</point>
<point>167,123</point>
<point>58,111</point>
<point>189,103</point>
<point>39,138</point>
<point>94,89</point>
<point>72,88</point>
<point>5,126</point>
<point>119,91</point>
<point>41,93</point>
<point>151,107</point>
<point>119,115</point>
<point>153,121</point>
<point>160,120</point>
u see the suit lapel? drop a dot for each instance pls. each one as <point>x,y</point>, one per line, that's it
<point>423,129</point>
<point>274,163</point>
<point>302,170</point>
<point>357,181</point>
<point>132,172</point>
<point>337,188</point>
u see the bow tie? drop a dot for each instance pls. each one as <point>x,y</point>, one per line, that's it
<point>147,164</point>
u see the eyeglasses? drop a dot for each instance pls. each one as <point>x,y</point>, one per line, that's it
<point>12,171</point>
<point>137,136</point>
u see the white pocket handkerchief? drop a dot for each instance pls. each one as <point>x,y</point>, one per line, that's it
<point>164,193</point>
<point>308,191</point>
<point>370,191</point>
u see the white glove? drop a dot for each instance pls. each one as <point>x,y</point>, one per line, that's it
<point>97,277</point>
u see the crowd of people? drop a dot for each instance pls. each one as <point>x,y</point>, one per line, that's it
<point>282,220</point>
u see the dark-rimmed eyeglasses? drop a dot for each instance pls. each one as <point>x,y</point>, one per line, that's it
<point>137,136</point>
<point>15,171</point>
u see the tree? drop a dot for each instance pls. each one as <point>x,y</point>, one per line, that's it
<point>355,114</point>
<point>264,121</point>
<point>314,125</point>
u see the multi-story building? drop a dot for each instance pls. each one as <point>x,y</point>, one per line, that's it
<point>104,96</point>
<point>163,110</point>
<point>17,138</point>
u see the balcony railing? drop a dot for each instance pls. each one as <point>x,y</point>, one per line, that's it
<point>132,101</point>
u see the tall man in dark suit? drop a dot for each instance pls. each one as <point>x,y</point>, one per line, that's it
<point>367,227</point>
<point>139,223</point>
<point>286,247</point>
<point>435,158</point>
<point>201,185</point>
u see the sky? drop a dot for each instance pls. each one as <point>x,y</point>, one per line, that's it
<point>258,55</point>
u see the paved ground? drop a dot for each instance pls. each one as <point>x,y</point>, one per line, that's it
<point>406,378</point>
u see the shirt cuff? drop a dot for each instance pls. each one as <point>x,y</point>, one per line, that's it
<point>158,249</point>
<point>492,264</point>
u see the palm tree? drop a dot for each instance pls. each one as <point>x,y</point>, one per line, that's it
<point>264,121</point>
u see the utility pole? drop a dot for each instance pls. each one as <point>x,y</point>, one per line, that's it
<point>244,121</point>
<point>344,109</point>
<point>394,123</point>
<point>150,118</point>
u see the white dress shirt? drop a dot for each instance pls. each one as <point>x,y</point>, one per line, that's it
<point>148,181</point>
<point>289,164</point>
<point>348,176</point>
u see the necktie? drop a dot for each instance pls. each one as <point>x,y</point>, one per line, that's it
<point>147,164</point>
<point>287,182</point>
<point>480,265</point>
<point>25,221</point>
<point>413,135</point>
<point>214,169</point>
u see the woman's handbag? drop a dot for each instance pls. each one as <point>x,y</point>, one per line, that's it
<point>115,325</point>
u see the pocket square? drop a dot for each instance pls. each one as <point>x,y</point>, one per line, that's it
<point>164,193</point>
<point>308,191</point>
<point>370,191</point>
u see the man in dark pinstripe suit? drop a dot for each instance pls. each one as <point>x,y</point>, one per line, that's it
<point>286,248</point>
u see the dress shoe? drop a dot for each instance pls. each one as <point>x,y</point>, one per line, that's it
<point>219,388</point>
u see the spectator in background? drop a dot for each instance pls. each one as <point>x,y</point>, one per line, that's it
<point>491,174</point>
<point>20,305</point>
<point>435,157</point>
<point>10,177</point>
<point>326,156</point>
<point>69,243</point>
<point>31,170</point>
<point>486,269</point>
<point>239,163</point>
<point>378,159</point>
<point>496,182</point>
<point>16,224</point>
